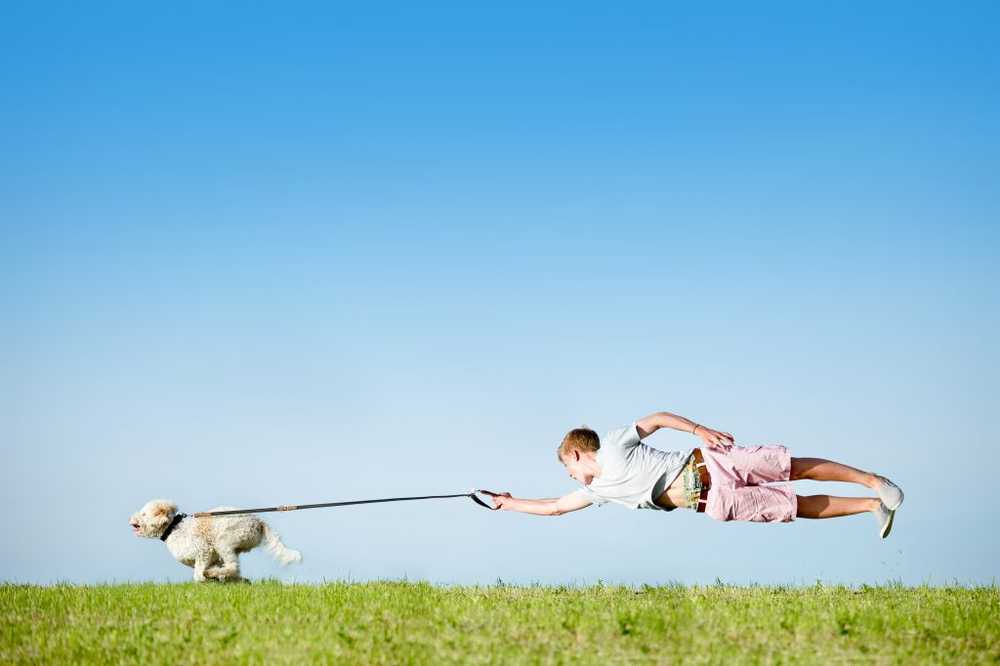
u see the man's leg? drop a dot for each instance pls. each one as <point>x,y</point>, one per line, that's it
<point>827,506</point>
<point>818,469</point>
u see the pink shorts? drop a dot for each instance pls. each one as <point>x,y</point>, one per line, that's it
<point>735,493</point>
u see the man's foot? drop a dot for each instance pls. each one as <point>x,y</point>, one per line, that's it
<point>884,517</point>
<point>890,494</point>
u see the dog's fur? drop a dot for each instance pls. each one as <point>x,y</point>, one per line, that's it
<point>210,544</point>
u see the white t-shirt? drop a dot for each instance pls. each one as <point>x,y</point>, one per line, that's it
<point>632,473</point>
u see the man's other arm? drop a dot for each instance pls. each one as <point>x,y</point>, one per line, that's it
<point>650,424</point>
<point>714,439</point>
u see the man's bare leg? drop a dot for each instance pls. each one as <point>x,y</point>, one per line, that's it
<point>827,506</point>
<point>818,469</point>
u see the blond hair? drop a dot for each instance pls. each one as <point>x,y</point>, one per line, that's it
<point>581,439</point>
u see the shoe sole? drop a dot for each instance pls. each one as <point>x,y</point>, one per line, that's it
<point>888,524</point>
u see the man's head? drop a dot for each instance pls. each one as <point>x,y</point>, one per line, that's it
<point>578,452</point>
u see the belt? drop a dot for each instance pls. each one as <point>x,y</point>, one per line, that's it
<point>703,501</point>
<point>699,461</point>
<point>706,480</point>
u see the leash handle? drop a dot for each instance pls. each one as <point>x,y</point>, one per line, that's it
<point>480,502</point>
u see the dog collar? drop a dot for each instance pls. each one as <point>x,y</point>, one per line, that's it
<point>173,523</point>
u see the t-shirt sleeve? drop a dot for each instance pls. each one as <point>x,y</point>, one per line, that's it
<point>622,438</point>
<point>589,495</point>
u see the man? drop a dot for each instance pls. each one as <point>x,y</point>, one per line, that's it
<point>719,478</point>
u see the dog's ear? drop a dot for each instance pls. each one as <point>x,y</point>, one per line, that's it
<point>163,511</point>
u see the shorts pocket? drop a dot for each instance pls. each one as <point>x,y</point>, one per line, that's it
<point>773,505</point>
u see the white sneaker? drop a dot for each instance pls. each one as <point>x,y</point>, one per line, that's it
<point>890,494</point>
<point>884,516</point>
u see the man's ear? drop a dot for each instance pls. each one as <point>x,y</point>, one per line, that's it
<point>576,455</point>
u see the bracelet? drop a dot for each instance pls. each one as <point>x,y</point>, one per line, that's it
<point>693,430</point>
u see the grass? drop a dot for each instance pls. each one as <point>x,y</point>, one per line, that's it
<point>405,622</point>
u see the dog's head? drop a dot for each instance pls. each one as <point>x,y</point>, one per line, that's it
<point>152,519</point>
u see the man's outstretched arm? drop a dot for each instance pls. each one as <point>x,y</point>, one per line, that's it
<point>542,507</point>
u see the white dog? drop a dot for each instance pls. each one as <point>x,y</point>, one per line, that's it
<point>210,544</point>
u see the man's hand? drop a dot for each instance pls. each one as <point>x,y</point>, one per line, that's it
<point>715,439</point>
<point>499,499</point>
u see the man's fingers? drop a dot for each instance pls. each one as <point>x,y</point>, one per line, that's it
<point>721,444</point>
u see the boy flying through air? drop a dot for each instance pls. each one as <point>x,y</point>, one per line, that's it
<point>719,479</point>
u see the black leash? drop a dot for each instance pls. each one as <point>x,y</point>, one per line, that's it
<point>296,507</point>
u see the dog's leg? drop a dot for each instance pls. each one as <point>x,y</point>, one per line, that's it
<point>214,571</point>
<point>230,567</point>
<point>200,566</point>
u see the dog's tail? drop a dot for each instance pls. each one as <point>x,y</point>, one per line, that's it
<point>278,550</point>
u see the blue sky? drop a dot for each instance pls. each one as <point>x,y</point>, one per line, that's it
<point>316,252</point>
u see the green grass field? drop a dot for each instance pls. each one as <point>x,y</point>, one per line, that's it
<point>403,622</point>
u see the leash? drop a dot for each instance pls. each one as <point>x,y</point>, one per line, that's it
<point>295,507</point>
